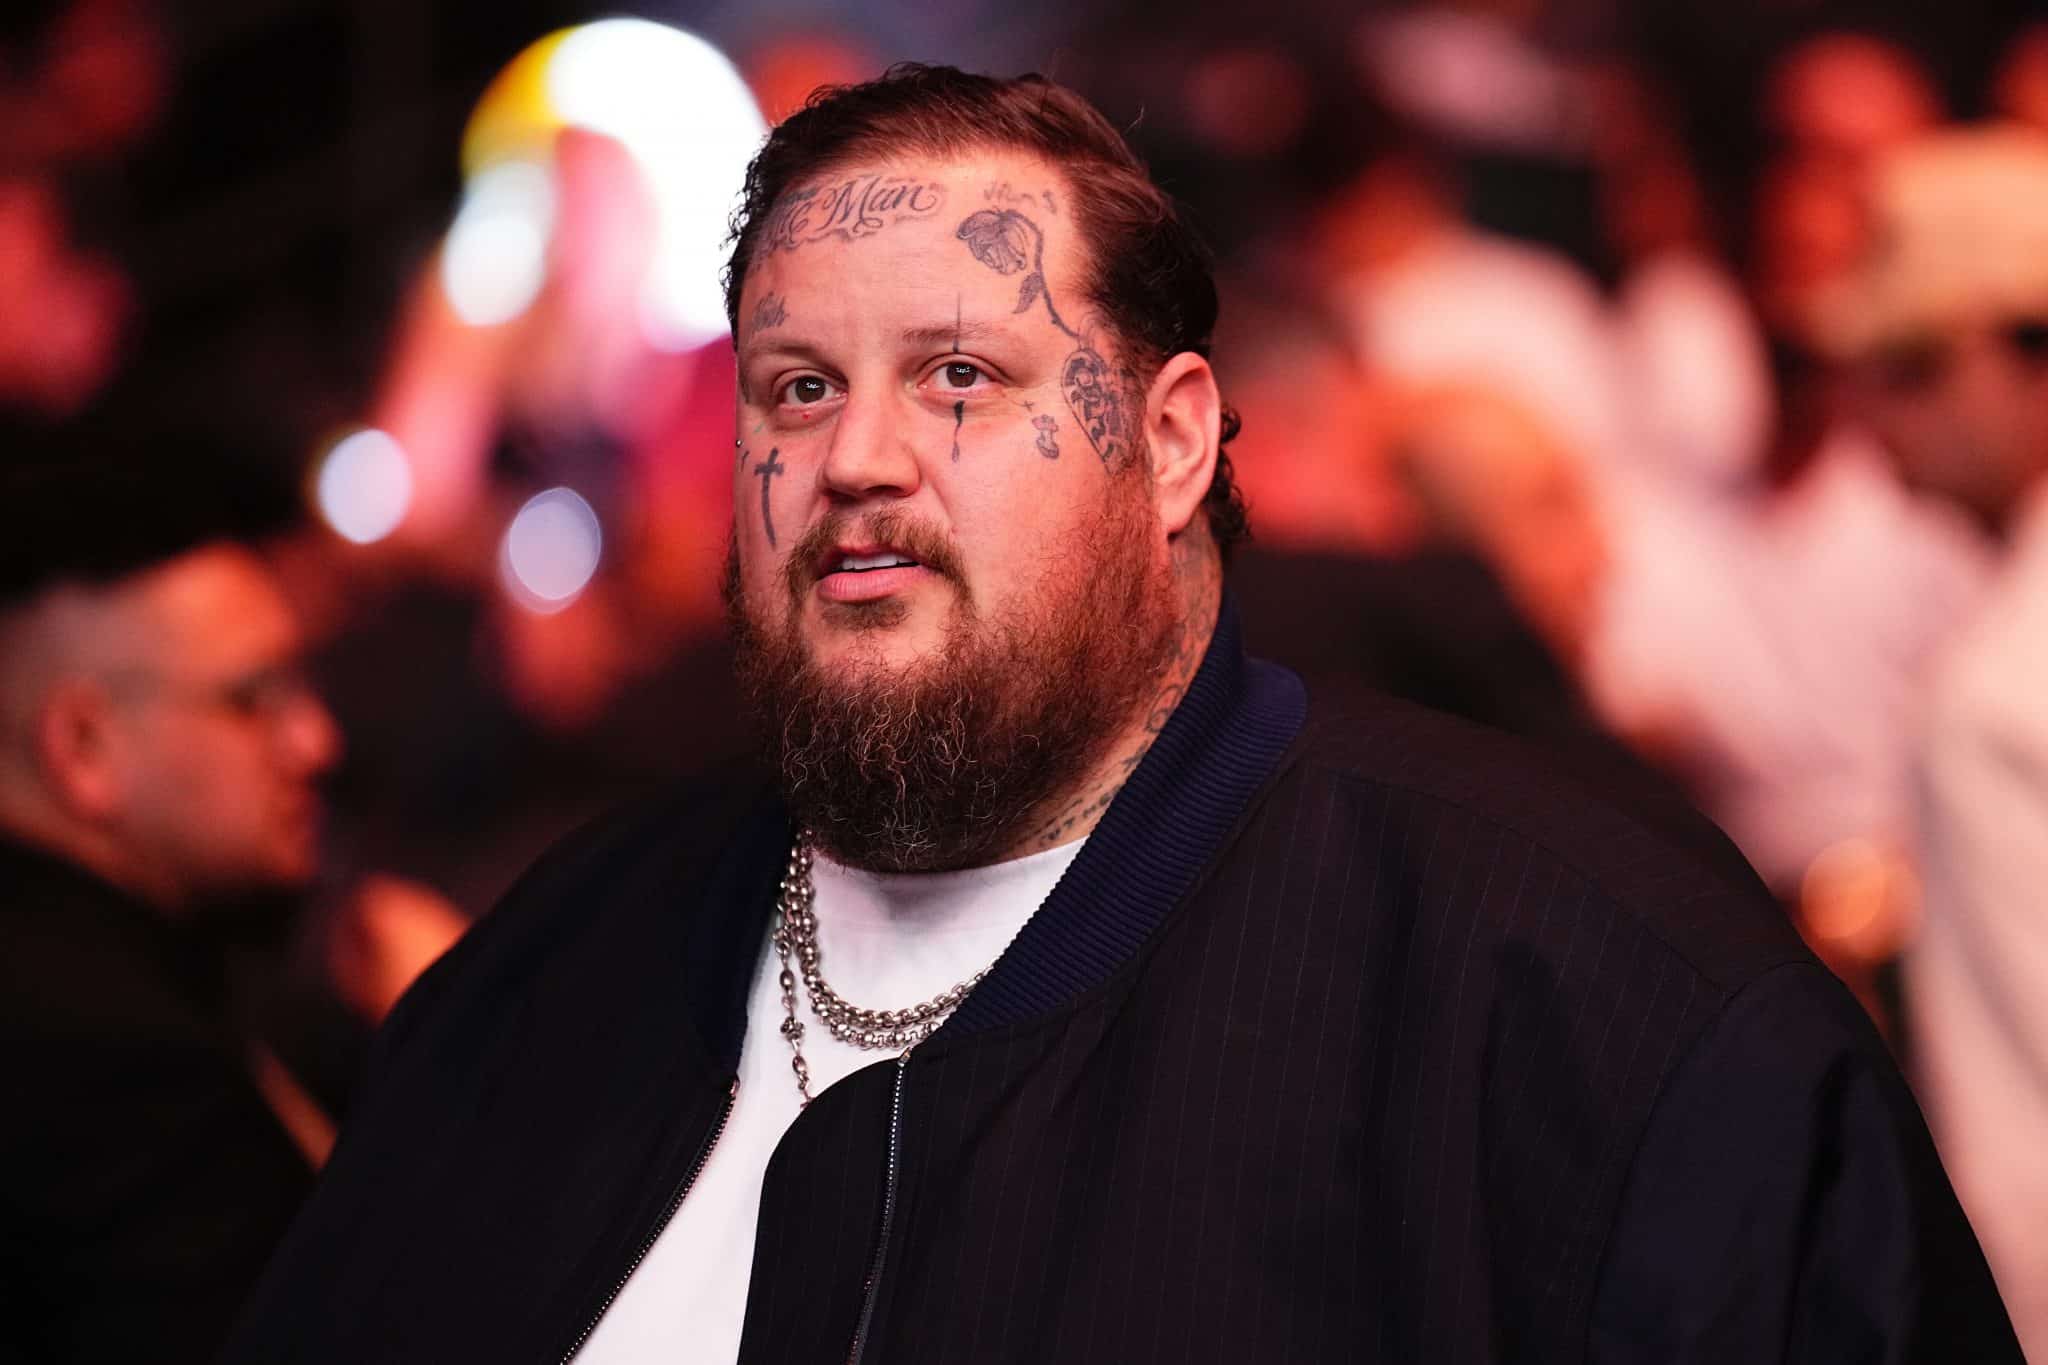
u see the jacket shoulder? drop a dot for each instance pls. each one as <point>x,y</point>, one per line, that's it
<point>1640,849</point>
<point>637,860</point>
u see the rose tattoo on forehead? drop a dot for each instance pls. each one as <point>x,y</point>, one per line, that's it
<point>855,207</point>
<point>1006,242</point>
<point>1009,242</point>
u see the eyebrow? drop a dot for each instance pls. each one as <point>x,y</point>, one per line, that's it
<point>789,346</point>
<point>938,334</point>
<point>932,334</point>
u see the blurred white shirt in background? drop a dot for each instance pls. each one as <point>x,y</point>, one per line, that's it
<point>1977,979</point>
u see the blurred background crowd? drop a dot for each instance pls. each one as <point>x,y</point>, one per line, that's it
<point>1666,383</point>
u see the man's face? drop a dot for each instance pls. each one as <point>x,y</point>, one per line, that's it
<point>940,478</point>
<point>219,740</point>
<point>1964,409</point>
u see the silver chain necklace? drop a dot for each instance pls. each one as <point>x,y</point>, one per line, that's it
<point>796,935</point>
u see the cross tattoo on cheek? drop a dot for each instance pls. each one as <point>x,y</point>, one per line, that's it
<point>768,469</point>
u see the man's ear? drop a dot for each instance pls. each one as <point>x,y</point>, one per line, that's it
<point>1183,427</point>
<point>78,748</point>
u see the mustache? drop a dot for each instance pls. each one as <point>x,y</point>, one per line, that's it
<point>922,541</point>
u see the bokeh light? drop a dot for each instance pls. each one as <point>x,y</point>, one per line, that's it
<point>495,259</point>
<point>551,550</point>
<point>364,486</point>
<point>683,113</point>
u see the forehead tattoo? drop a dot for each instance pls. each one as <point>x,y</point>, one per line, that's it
<point>1008,242</point>
<point>855,207</point>
<point>771,311</point>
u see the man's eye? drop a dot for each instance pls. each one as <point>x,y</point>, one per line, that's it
<point>961,375</point>
<point>806,389</point>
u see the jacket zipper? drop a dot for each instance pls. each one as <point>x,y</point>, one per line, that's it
<point>867,1307</point>
<point>675,1202</point>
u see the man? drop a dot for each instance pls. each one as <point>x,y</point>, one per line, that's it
<point>157,756</point>
<point>1943,331</point>
<point>1247,1033</point>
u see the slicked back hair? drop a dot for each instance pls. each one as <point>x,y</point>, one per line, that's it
<point>1148,277</point>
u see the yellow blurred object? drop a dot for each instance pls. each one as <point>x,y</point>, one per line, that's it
<point>515,120</point>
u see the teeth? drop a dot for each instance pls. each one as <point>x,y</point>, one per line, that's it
<point>862,563</point>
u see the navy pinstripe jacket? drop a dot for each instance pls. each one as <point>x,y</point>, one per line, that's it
<point>1345,1038</point>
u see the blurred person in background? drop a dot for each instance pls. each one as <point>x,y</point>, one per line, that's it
<point>1352,578</point>
<point>1944,329</point>
<point>79,79</point>
<point>1433,300</point>
<point>1832,102</point>
<point>1781,639</point>
<point>1694,363</point>
<point>62,311</point>
<point>1355,491</point>
<point>1848,94</point>
<point>1429,545</point>
<point>1941,326</point>
<point>1543,137</point>
<point>159,750</point>
<point>1487,476</point>
<point>1155,899</point>
<point>1517,436</point>
<point>1738,579</point>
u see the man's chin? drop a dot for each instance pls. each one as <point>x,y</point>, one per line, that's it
<point>928,736</point>
<point>872,639</point>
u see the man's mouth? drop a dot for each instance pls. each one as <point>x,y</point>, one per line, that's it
<point>866,573</point>
<point>888,559</point>
<point>884,556</point>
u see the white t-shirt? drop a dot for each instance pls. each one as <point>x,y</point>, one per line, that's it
<point>885,941</point>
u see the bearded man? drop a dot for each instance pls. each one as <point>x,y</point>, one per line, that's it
<point>1076,989</point>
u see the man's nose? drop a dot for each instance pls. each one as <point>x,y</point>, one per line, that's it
<point>872,453</point>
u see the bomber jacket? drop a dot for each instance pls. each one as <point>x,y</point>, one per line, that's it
<point>1348,1036</point>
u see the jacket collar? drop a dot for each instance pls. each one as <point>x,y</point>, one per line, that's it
<point>1221,744</point>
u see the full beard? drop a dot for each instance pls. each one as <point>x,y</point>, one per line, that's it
<point>944,763</point>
